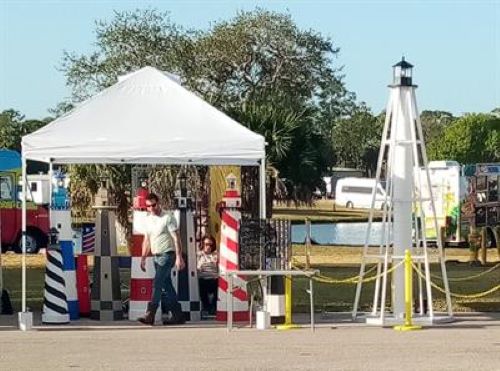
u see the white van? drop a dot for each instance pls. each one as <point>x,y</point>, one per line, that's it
<point>357,193</point>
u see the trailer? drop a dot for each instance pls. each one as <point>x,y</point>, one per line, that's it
<point>481,208</point>
<point>465,197</point>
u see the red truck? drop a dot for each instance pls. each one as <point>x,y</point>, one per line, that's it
<point>37,216</point>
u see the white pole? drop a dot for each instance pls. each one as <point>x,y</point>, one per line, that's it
<point>23,233</point>
<point>262,188</point>
<point>51,174</point>
<point>370,217</point>
<point>433,208</point>
<point>388,217</point>
<point>402,199</point>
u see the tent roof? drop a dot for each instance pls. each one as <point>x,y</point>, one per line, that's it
<point>145,118</point>
<point>9,160</point>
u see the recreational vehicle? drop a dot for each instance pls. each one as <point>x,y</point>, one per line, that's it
<point>357,193</point>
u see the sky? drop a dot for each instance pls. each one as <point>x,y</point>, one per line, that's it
<point>454,45</point>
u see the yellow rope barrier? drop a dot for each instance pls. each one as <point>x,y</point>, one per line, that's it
<point>353,280</point>
<point>324,279</point>
<point>461,296</point>
<point>461,279</point>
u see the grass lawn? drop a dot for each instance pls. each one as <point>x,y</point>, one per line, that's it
<point>321,211</point>
<point>338,262</point>
<point>343,262</point>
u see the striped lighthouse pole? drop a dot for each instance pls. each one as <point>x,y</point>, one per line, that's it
<point>229,255</point>
<point>60,219</point>
<point>55,306</point>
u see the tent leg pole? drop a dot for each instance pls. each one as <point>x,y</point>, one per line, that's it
<point>262,188</point>
<point>25,318</point>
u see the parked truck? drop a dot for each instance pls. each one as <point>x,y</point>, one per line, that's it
<point>37,215</point>
<point>466,197</point>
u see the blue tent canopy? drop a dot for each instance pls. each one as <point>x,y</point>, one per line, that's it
<point>9,160</point>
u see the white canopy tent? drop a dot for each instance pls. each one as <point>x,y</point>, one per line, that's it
<point>147,117</point>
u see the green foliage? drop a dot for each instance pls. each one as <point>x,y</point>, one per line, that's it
<point>305,164</point>
<point>294,149</point>
<point>10,123</point>
<point>434,123</point>
<point>13,127</point>
<point>61,109</point>
<point>260,53</point>
<point>472,138</point>
<point>130,41</point>
<point>85,180</point>
<point>256,58</point>
<point>276,123</point>
<point>356,140</point>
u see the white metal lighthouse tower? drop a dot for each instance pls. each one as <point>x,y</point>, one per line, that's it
<point>402,164</point>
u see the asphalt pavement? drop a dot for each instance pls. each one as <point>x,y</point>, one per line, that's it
<point>471,342</point>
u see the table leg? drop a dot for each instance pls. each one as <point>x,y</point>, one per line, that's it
<point>311,293</point>
<point>230,304</point>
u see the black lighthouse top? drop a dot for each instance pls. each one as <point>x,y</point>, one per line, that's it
<point>402,72</point>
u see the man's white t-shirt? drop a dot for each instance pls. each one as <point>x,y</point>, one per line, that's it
<point>159,229</point>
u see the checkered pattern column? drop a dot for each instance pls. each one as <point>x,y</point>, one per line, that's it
<point>105,303</point>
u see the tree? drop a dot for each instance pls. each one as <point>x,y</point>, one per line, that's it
<point>293,151</point>
<point>472,138</point>
<point>256,57</point>
<point>356,140</point>
<point>133,39</point>
<point>434,123</point>
<point>259,53</point>
<point>277,124</point>
<point>13,127</point>
<point>10,128</point>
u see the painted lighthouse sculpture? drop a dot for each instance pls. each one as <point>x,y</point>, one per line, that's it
<point>186,281</point>
<point>402,164</point>
<point>60,221</point>
<point>229,254</point>
<point>105,299</point>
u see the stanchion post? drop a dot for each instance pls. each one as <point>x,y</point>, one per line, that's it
<point>308,243</point>
<point>408,325</point>
<point>288,300</point>
<point>483,246</point>
<point>442,236</point>
<point>311,292</point>
<point>288,325</point>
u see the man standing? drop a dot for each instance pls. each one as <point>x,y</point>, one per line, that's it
<point>162,239</point>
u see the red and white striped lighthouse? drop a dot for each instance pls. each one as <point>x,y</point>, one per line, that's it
<point>229,255</point>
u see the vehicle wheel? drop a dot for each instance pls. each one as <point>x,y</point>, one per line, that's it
<point>33,243</point>
<point>349,205</point>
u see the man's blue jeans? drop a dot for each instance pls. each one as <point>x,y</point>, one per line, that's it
<point>163,290</point>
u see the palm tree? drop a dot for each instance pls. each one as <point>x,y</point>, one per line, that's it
<point>284,130</point>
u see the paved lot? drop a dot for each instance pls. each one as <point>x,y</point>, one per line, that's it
<point>470,343</point>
